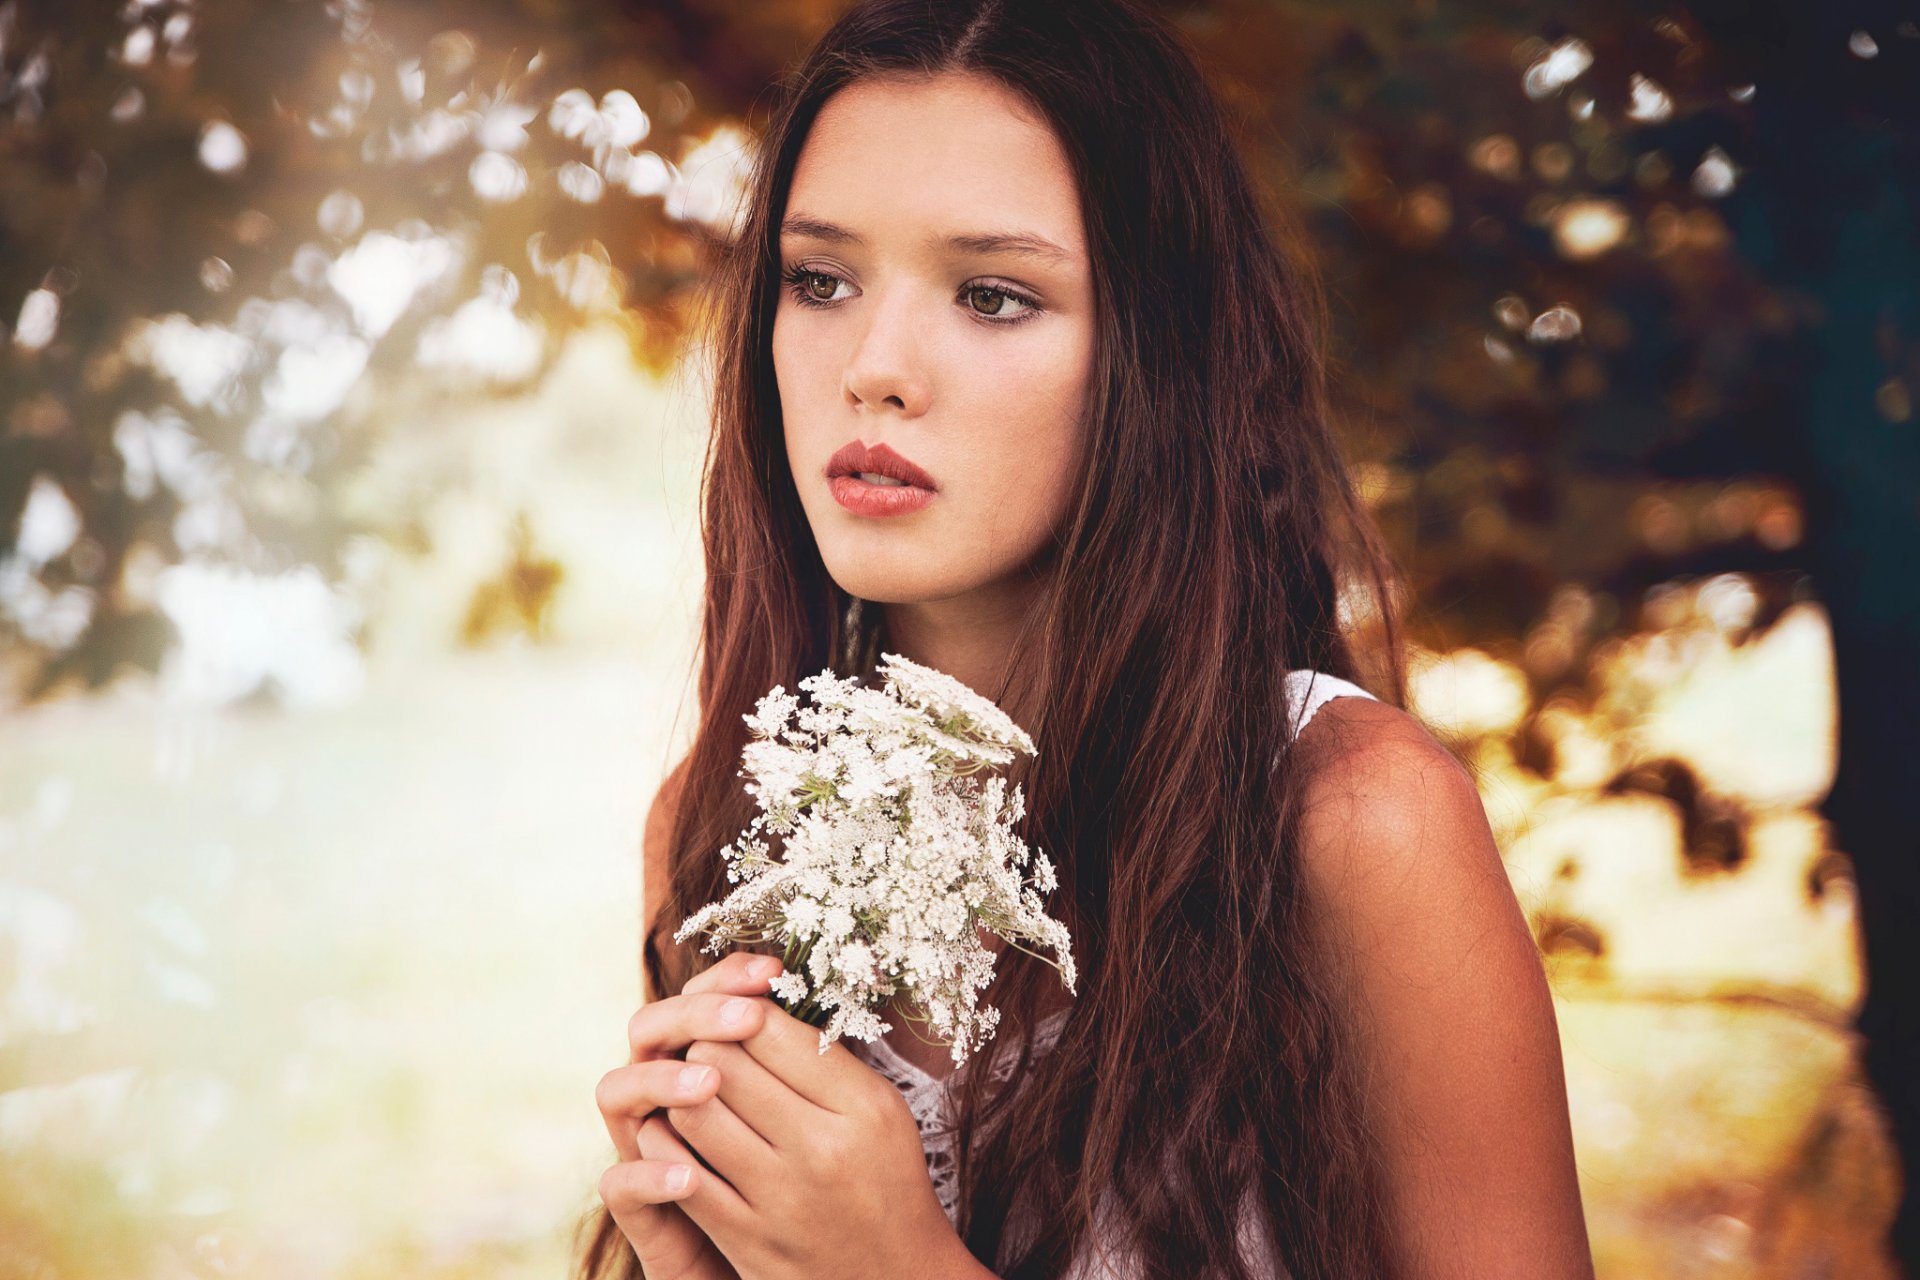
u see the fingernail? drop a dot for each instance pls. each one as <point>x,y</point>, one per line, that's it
<point>692,1077</point>
<point>678,1177</point>
<point>733,1010</point>
<point>763,967</point>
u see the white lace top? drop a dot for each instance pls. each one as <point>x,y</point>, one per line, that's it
<point>926,1095</point>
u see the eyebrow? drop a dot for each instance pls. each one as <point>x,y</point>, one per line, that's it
<point>1017,243</point>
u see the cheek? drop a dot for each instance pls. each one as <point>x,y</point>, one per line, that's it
<point>1046,405</point>
<point>1043,487</point>
<point>806,381</point>
<point>790,363</point>
<point>1028,446</point>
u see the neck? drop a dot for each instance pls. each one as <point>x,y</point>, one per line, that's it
<point>973,639</point>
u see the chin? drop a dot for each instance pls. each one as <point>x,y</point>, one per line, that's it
<point>907,574</point>
<point>882,587</point>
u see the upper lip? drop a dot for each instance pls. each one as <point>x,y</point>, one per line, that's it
<point>854,456</point>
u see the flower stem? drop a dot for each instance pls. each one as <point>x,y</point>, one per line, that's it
<point>807,1011</point>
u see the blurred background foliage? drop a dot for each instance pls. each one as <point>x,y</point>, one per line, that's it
<point>348,471</point>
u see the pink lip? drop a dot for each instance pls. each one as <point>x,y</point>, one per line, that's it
<point>862,498</point>
<point>854,456</point>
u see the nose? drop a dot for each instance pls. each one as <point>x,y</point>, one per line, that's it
<point>884,367</point>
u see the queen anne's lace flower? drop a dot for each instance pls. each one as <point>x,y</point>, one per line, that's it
<point>893,856</point>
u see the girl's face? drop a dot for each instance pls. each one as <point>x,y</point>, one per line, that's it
<point>938,301</point>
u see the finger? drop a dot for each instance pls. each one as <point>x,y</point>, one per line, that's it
<point>643,1198</point>
<point>740,973</point>
<point>711,1201</point>
<point>627,1095</point>
<point>632,1187</point>
<point>790,1049</point>
<point>666,1027</point>
<point>727,1143</point>
<point>765,1102</point>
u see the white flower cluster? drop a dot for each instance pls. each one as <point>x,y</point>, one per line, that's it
<point>894,856</point>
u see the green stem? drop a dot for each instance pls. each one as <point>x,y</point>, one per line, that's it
<point>807,1011</point>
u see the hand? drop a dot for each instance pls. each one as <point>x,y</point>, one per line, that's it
<point>638,1191</point>
<point>813,1163</point>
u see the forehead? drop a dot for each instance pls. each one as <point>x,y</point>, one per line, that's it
<point>904,154</point>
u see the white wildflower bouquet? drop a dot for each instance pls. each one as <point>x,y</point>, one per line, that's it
<point>893,856</point>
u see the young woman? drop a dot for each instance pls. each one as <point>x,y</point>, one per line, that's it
<point>1003,249</point>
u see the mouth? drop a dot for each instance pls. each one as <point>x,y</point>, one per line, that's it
<point>878,465</point>
<point>877,481</point>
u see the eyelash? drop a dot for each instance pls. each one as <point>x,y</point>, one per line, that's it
<point>795,279</point>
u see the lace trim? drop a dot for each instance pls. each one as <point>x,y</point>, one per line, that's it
<point>927,1095</point>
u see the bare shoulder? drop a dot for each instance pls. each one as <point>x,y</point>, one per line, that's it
<point>1453,1022</point>
<point>1385,801</point>
<point>1398,862</point>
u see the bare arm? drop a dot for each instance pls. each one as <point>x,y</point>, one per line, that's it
<point>1454,1022</point>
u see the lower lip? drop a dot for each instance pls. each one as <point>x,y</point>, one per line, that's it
<point>864,499</point>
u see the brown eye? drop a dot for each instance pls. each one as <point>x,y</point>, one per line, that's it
<point>815,279</point>
<point>998,295</point>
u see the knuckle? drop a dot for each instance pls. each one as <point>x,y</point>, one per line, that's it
<point>872,1105</point>
<point>705,1052</point>
<point>606,1094</point>
<point>616,1190</point>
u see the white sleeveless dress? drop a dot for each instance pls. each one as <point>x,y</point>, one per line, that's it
<point>926,1095</point>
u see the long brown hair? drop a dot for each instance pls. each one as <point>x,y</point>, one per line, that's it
<point>1216,543</point>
